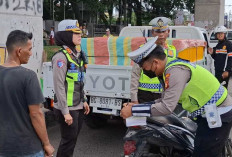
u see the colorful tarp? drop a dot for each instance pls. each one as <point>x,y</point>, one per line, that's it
<point>2,55</point>
<point>113,50</point>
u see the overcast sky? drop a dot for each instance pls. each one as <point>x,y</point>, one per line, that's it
<point>228,8</point>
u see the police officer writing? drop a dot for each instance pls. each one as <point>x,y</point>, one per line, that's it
<point>222,55</point>
<point>192,86</point>
<point>68,74</point>
<point>145,86</point>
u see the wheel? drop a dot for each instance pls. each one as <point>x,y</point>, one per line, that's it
<point>93,121</point>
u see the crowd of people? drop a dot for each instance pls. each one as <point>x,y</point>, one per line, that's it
<point>157,70</point>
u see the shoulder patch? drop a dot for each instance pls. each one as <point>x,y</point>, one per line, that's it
<point>224,47</point>
<point>60,63</point>
<point>69,50</point>
<point>170,53</point>
<point>167,80</point>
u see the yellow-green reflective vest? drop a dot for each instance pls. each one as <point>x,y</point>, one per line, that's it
<point>74,74</point>
<point>202,89</point>
<point>153,84</point>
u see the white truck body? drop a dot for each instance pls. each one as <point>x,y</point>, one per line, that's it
<point>180,32</point>
<point>26,16</point>
<point>101,81</point>
<point>108,86</point>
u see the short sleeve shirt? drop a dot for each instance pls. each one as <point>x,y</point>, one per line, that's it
<point>19,88</point>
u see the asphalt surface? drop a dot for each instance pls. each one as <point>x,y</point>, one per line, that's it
<point>104,142</point>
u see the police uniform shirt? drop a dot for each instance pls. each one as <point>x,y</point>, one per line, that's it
<point>179,77</point>
<point>135,76</point>
<point>59,64</point>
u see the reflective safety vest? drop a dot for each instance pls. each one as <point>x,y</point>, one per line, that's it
<point>153,84</point>
<point>202,89</point>
<point>74,79</point>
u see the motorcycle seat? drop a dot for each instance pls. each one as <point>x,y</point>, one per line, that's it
<point>185,123</point>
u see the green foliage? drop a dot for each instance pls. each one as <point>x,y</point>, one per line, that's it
<point>190,5</point>
<point>136,12</point>
<point>50,51</point>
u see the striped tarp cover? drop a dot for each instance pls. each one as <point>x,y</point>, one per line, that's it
<point>113,50</point>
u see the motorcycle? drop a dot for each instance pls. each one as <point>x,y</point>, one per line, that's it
<point>164,136</point>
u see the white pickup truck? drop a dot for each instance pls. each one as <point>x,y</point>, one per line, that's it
<point>107,80</point>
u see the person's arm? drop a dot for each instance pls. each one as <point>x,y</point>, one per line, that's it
<point>229,54</point>
<point>85,102</point>
<point>134,85</point>
<point>38,122</point>
<point>213,55</point>
<point>178,77</point>
<point>59,64</point>
<point>86,105</point>
<point>34,98</point>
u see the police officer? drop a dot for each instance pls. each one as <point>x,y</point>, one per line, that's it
<point>145,86</point>
<point>192,86</point>
<point>68,73</point>
<point>222,55</point>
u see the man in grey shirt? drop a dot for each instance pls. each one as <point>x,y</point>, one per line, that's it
<point>23,130</point>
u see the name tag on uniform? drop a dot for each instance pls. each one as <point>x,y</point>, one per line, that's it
<point>212,116</point>
<point>73,71</point>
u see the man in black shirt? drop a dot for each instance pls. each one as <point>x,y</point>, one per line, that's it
<point>22,125</point>
<point>222,55</point>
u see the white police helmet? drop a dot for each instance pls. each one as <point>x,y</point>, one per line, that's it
<point>143,51</point>
<point>69,25</point>
<point>160,24</point>
<point>220,29</point>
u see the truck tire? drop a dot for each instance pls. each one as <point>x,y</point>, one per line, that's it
<point>94,121</point>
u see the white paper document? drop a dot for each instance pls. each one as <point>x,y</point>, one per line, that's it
<point>135,121</point>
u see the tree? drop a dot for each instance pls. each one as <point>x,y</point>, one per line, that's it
<point>144,10</point>
<point>75,8</point>
<point>190,5</point>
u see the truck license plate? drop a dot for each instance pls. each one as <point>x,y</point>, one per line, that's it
<point>102,102</point>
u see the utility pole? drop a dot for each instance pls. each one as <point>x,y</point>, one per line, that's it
<point>229,19</point>
<point>64,10</point>
<point>82,11</point>
<point>53,10</point>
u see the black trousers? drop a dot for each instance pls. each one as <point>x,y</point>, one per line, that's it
<point>146,96</point>
<point>210,142</point>
<point>69,133</point>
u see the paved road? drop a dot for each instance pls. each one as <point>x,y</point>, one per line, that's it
<point>104,142</point>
